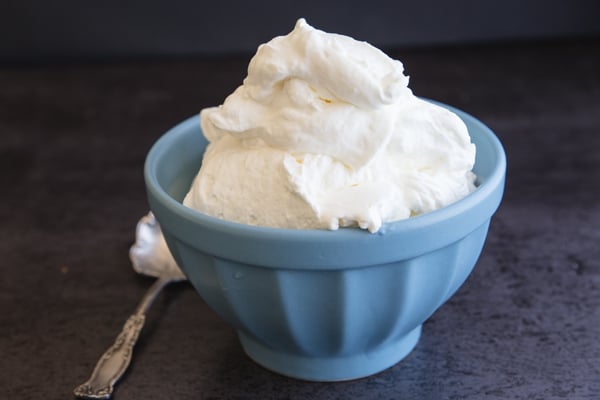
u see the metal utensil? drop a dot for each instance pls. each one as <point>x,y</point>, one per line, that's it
<point>149,256</point>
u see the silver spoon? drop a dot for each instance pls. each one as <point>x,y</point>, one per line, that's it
<point>149,256</point>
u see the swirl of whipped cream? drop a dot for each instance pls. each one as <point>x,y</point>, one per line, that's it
<point>314,92</point>
<point>324,132</point>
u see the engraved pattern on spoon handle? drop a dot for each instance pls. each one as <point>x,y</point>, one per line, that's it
<point>113,363</point>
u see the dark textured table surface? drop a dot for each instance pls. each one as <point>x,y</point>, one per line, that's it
<point>72,144</point>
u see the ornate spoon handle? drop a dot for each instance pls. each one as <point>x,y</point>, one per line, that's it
<point>114,362</point>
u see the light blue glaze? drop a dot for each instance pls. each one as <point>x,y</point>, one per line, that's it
<point>317,304</point>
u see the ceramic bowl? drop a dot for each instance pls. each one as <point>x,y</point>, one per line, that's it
<point>317,304</point>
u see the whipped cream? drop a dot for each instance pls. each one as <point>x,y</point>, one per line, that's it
<point>324,132</point>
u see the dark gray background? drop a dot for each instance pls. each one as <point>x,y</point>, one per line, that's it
<point>76,123</point>
<point>33,31</point>
<point>73,139</point>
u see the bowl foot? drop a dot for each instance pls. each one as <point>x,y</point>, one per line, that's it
<point>335,368</point>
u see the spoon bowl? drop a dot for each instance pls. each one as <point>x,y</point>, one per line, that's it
<point>149,254</point>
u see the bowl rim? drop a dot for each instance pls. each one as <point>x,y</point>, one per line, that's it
<point>456,207</point>
<point>489,192</point>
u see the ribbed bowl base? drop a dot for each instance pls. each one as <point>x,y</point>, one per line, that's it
<point>328,369</point>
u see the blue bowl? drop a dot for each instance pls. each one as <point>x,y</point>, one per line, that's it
<point>316,304</point>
